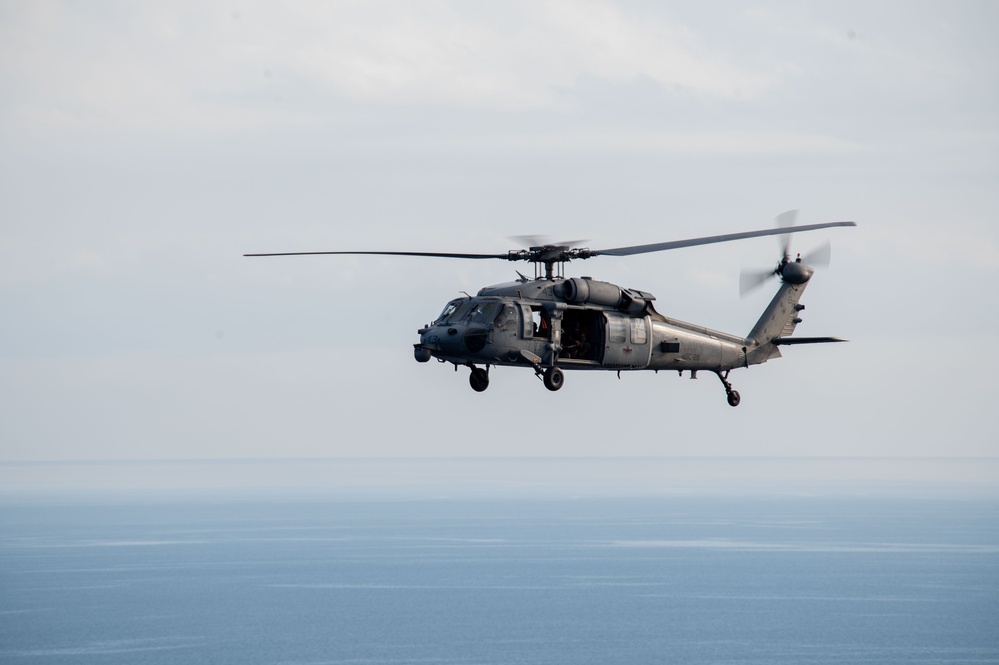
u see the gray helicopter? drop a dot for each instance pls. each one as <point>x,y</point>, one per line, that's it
<point>552,323</point>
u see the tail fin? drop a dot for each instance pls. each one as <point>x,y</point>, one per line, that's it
<point>779,320</point>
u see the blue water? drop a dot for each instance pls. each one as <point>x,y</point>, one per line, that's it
<point>638,580</point>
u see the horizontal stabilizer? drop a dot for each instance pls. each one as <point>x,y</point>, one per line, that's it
<point>783,341</point>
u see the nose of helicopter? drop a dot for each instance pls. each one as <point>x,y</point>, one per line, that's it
<point>450,340</point>
<point>429,343</point>
<point>439,339</point>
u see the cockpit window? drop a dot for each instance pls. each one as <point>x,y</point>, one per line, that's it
<point>507,318</point>
<point>448,311</point>
<point>483,312</point>
<point>452,310</point>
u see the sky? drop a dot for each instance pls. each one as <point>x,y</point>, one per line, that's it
<point>147,147</point>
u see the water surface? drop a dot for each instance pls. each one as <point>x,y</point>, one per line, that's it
<point>130,579</point>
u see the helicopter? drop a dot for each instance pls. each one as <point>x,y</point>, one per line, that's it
<point>553,323</point>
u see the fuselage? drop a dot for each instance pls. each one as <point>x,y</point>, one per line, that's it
<point>576,323</point>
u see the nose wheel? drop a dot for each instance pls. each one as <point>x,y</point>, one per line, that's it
<point>732,395</point>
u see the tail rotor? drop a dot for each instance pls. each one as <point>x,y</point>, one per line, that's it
<point>750,280</point>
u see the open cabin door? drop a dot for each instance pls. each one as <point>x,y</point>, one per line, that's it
<point>582,336</point>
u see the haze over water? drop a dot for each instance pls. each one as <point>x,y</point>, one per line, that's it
<point>508,571</point>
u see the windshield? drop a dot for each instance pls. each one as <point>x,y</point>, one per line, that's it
<point>483,312</point>
<point>451,310</point>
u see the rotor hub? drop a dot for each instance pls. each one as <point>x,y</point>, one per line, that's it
<point>795,272</point>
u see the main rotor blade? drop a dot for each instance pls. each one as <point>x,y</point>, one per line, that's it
<point>542,241</point>
<point>530,240</point>
<point>707,240</point>
<point>446,255</point>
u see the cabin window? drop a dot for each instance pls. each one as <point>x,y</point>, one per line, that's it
<point>617,330</point>
<point>671,347</point>
<point>638,332</point>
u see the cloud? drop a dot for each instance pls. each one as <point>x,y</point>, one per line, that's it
<point>205,66</point>
<point>942,244</point>
<point>689,142</point>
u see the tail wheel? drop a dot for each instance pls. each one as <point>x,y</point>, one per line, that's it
<point>554,378</point>
<point>478,379</point>
<point>733,398</point>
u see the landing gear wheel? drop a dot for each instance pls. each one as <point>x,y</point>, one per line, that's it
<point>478,379</point>
<point>733,398</point>
<point>554,378</point>
<point>731,395</point>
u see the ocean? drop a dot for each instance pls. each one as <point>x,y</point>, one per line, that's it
<point>494,578</point>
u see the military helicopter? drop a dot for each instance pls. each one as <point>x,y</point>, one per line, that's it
<point>552,323</point>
